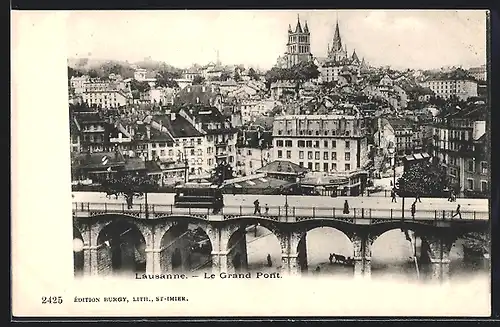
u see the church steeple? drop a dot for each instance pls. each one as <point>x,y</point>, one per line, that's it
<point>289,28</point>
<point>355,56</point>
<point>298,28</point>
<point>306,28</point>
<point>337,41</point>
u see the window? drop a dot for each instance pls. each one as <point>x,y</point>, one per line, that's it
<point>347,144</point>
<point>249,152</point>
<point>316,166</point>
<point>170,152</point>
<point>309,155</point>
<point>484,186</point>
<point>325,155</point>
<point>301,154</point>
<point>334,155</point>
<point>153,153</point>
<point>347,167</point>
<point>301,164</point>
<point>325,167</point>
<point>288,143</point>
<point>470,165</point>
<point>161,145</point>
<point>334,166</point>
<point>316,144</point>
<point>301,144</point>
<point>210,161</point>
<point>347,156</point>
<point>280,154</point>
<point>310,165</point>
<point>470,184</point>
<point>200,152</point>
<point>279,143</point>
<point>199,141</point>
<point>309,144</point>
<point>250,164</point>
<point>484,167</point>
<point>192,152</point>
<point>325,144</point>
<point>316,155</point>
<point>162,153</point>
<point>334,144</point>
<point>288,154</point>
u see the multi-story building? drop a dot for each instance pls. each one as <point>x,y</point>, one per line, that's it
<point>200,95</point>
<point>401,132</point>
<point>253,150</point>
<point>106,98</point>
<point>93,131</point>
<point>479,73</point>
<point>298,45</point>
<point>251,109</point>
<point>78,83</point>
<point>460,143</point>
<point>198,136</point>
<point>334,144</point>
<point>447,88</point>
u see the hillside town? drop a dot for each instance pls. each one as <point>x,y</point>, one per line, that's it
<point>335,125</point>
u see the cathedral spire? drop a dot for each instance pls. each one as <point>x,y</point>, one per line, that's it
<point>298,28</point>
<point>289,28</point>
<point>306,28</point>
<point>337,41</point>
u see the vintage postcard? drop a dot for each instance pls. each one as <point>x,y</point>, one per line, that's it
<point>251,163</point>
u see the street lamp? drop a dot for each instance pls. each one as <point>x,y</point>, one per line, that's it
<point>392,151</point>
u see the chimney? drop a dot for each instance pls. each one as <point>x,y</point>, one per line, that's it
<point>172,116</point>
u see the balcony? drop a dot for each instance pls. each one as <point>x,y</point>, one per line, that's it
<point>221,155</point>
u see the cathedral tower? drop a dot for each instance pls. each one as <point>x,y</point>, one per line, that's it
<point>336,52</point>
<point>298,45</point>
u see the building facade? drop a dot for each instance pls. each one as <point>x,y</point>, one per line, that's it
<point>333,144</point>
<point>447,88</point>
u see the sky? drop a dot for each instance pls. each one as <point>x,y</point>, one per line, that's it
<point>401,39</point>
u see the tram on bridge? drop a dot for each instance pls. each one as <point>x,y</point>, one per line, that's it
<point>198,195</point>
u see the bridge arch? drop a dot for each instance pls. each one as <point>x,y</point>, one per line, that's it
<point>253,244</point>
<point>326,248</point>
<point>121,247</point>
<point>78,250</point>
<point>185,245</point>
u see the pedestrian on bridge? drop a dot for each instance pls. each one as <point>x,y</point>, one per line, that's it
<point>346,208</point>
<point>393,196</point>
<point>457,213</point>
<point>256,209</point>
<point>267,209</point>
<point>413,209</point>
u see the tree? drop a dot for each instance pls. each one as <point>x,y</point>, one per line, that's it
<point>129,186</point>
<point>140,87</point>
<point>197,80</point>
<point>423,179</point>
<point>224,76</point>
<point>223,171</point>
<point>74,72</point>
<point>252,74</point>
<point>166,79</point>
<point>237,76</point>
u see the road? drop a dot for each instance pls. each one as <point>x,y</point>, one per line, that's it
<point>431,204</point>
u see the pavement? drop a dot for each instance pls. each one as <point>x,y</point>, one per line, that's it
<point>303,202</point>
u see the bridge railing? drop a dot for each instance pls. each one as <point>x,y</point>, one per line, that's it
<point>278,213</point>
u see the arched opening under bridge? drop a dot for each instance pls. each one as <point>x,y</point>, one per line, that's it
<point>121,249</point>
<point>326,250</point>
<point>78,257</point>
<point>185,247</point>
<point>393,255</point>
<point>253,247</point>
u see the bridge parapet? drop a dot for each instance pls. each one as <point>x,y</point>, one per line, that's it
<point>282,214</point>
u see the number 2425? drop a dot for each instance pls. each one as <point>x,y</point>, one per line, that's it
<point>52,299</point>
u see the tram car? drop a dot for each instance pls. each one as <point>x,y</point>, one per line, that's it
<point>198,195</point>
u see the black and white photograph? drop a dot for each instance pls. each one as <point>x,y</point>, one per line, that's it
<point>322,151</point>
<point>260,146</point>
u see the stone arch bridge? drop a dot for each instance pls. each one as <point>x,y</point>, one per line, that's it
<point>157,230</point>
